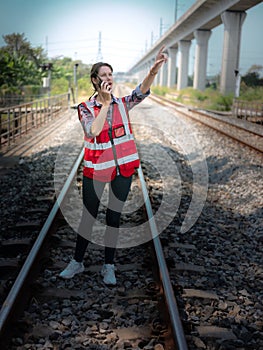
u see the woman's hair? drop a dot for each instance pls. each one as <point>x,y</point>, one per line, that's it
<point>95,72</point>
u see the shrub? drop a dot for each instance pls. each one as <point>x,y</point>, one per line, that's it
<point>160,90</point>
<point>251,94</point>
<point>59,86</point>
<point>222,102</point>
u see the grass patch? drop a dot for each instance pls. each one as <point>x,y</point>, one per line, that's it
<point>207,99</point>
<point>221,103</point>
<point>160,90</point>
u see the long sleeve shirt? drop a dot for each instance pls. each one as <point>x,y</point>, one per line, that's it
<point>86,117</point>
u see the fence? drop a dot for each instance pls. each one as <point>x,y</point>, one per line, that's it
<point>18,120</point>
<point>11,100</point>
<point>251,111</point>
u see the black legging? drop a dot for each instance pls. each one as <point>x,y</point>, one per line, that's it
<point>92,191</point>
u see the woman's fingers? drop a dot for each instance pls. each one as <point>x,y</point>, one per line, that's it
<point>160,51</point>
<point>105,86</point>
<point>162,55</point>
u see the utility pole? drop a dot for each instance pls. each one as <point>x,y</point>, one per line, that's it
<point>76,80</point>
<point>99,54</point>
<point>47,45</point>
<point>47,80</point>
<point>237,86</point>
<point>152,38</point>
<point>175,10</point>
<point>161,26</point>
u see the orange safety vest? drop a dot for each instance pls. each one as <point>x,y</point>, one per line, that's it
<point>113,151</point>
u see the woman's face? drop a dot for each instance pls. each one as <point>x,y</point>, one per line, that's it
<point>105,74</point>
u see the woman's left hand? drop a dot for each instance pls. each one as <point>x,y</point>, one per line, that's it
<point>161,58</point>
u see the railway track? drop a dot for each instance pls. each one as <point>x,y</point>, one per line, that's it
<point>84,314</point>
<point>16,297</point>
<point>242,131</point>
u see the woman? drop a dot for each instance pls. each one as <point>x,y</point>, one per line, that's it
<point>110,156</point>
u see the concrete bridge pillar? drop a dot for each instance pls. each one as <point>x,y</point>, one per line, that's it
<point>171,81</point>
<point>156,80</point>
<point>141,75</point>
<point>231,50</point>
<point>163,75</point>
<point>202,37</point>
<point>183,63</point>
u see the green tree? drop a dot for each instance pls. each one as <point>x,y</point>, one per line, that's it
<point>63,75</point>
<point>19,64</point>
<point>253,76</point>
<point>23,67</point>
<point>17,45</point>
<point>17,71</point>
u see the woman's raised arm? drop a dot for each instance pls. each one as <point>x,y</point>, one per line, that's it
<point>160,59</point>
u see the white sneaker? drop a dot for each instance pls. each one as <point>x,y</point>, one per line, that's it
<point>72,269</point>
<point>108,273</point>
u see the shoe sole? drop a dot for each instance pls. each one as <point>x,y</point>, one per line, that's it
<point>71,276</point>
<point>110,284</point>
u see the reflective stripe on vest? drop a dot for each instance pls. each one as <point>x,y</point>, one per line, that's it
<point>124,118</point>
<point>111,163</point>
<point>106,145</point>
<point>100,166</point>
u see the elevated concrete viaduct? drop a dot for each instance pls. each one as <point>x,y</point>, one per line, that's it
<point>197,23</point>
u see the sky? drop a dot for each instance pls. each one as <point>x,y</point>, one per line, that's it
<point>72,28</point>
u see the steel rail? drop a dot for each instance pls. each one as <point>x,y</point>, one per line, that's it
<point>12,297</point>
<point>199,116</point>
<point>177,327</point>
